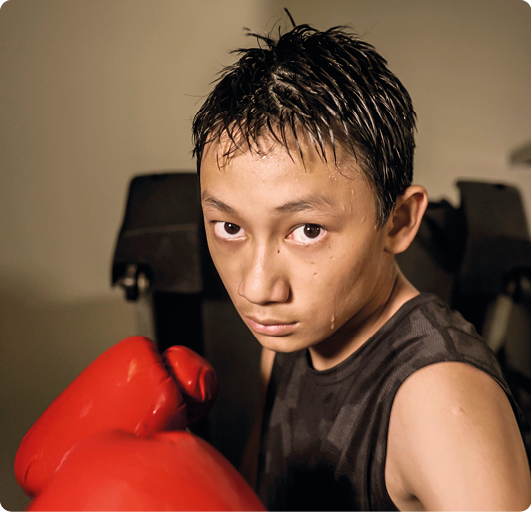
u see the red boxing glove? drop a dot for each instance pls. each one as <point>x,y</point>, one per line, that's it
<point>170,471</point>
<point>128,387</point>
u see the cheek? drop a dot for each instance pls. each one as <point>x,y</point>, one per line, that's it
<point>339,284</point>
<point>325,285</point>
<point>338,271</point>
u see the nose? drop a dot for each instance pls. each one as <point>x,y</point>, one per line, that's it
<point>263,279</point>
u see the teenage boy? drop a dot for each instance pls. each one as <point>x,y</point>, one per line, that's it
<point>379,397</point>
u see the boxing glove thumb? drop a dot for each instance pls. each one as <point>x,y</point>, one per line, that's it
<point>195,378</point>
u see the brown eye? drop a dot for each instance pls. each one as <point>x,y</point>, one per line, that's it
<point>312,230</point>
<point>228,231</point>
<point>231,229</point>
<point>307,234</point>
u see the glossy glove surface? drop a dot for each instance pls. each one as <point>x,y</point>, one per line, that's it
<point>195,378</point>
<point>128,387</point>
<point>119,471</point>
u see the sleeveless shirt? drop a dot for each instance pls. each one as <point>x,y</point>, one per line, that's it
<point>324,435</point>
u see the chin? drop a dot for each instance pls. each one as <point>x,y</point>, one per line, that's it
<point>285,344</point>
<point>277,344</point>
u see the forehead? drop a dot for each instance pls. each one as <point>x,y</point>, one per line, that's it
<point>269,177</point>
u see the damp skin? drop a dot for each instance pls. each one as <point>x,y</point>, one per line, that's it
<point>294,291</point>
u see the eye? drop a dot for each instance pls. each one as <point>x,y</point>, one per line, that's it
<point>228,231</point>
<point>307,234</point>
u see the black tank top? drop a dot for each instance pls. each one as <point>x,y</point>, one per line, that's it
<point>324,436</point>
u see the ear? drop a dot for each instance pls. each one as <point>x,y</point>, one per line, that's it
<point>404,221</point>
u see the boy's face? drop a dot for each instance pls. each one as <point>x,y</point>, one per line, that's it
<point>296,245</point>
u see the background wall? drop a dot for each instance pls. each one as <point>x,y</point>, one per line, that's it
<point>92,93</point>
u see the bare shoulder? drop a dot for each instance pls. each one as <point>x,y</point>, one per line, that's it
<point>454,443</point>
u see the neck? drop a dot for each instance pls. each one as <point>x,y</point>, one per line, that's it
<point>353,335</point>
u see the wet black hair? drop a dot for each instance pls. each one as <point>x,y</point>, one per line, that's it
<point>328,85</point>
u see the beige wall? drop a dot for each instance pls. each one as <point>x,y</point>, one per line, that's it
<point>467,66</point>
<point>91,93</point>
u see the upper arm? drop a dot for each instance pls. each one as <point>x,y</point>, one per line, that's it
<point>454,442</point>
<point>249,464</point>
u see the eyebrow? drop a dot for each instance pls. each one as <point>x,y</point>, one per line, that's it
<point>313,202</point>
<point>209,201</point>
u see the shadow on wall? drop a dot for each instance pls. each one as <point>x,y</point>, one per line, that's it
<point>44,345</point>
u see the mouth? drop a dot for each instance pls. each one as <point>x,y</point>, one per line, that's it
<point>271,327</point>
